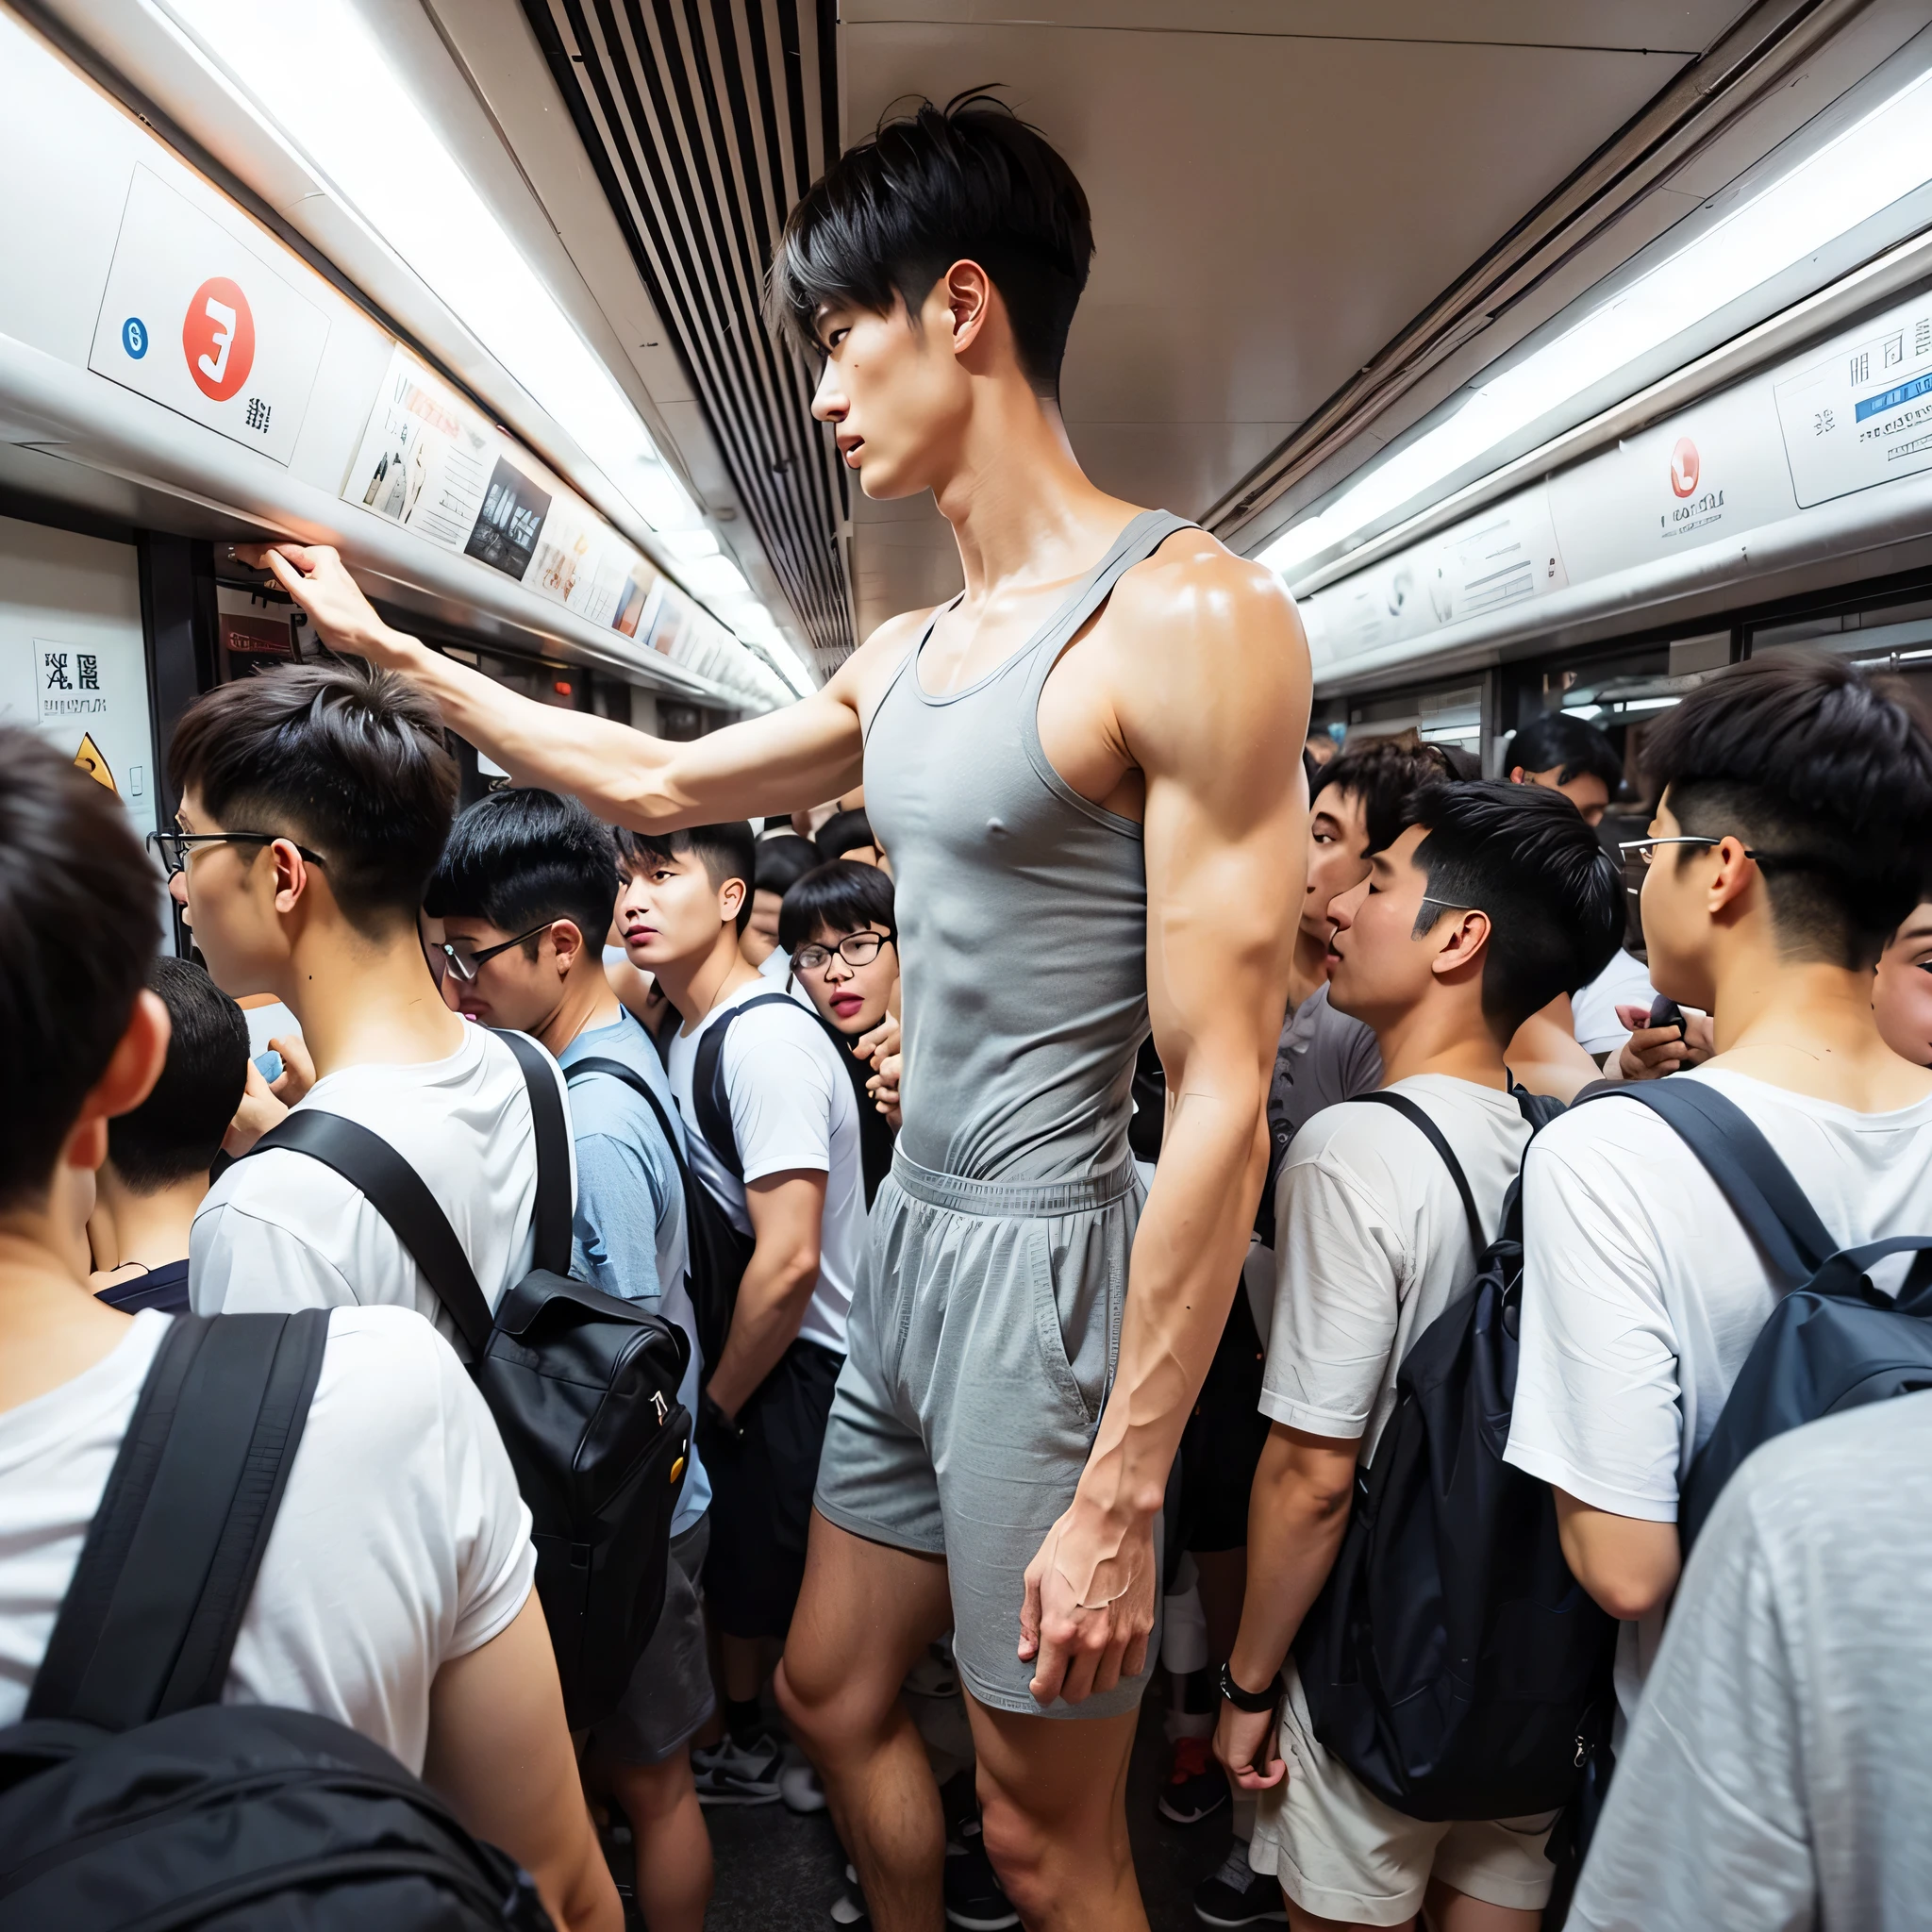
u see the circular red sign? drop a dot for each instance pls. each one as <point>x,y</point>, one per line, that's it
<point>217,339</point>
<point>1684,467</point>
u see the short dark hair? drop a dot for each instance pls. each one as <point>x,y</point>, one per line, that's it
<point>726,851</point>
<point>177,1131</point>
<point>1570,747</point>
<point>343,756</point>
<point>840,898</point>
<point>1382,772</point>
<point>844,832</point>
<point>969,180</point>
<point>80,907</point>
<point>1824,771</point>
<point>1523,855</point>
<point>782,861</point>
<point>524,857</point>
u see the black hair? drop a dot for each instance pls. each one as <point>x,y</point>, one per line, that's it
<point>80,904</point>
<point>1570,747</point>
<point>339,757</point>
<point>782,861</point>
<point>1523,855</point>
<point>844,832</point>
<point>841,897</point>
<point>1823,771</point>
<point>1382,772</point>
<point>968,181</point>
<point>521,859</point>
<point>175,1133</point>
<point>726,851</point>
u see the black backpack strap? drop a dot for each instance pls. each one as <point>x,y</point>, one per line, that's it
<point>709,1100</point>
<point>551,1248</point>
<point>1403,1104</point>
<point>396,1191</point>
<point>158,1596</point>
<point>1748,1172</point>
<point>616,1070</point>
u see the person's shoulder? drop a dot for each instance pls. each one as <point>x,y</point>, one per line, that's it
<point>1349,1141</point>
<point>862,680</point>
<point>275,1185</point>
<point>391,1360</point>
<point>1605,1128</point>
<point>1196,581</point>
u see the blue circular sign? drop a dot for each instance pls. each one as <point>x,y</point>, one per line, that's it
<point>134,336</point>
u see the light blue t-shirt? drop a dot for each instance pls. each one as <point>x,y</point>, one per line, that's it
<point>628,1236</point>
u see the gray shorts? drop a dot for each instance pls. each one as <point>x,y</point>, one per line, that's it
<point>981,1347</point>
<point>670,1695</point>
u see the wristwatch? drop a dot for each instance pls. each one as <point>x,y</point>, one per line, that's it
<point>1254,1702</point>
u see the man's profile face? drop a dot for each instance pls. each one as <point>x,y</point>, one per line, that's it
<point>1585,791</point>
<point>512,989</point>
<point>670,911</point>
<point>227,894</point>
<point>1902,992</point>
<point>1381,969</point>
<point>1675,906</point>
<point>1338,832</point>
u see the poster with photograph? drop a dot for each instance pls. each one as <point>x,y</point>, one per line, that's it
<point>509,522</point>
<point>639,601</point>
<point>424,459</point>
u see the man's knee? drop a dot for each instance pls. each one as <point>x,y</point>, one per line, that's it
<point>831,1712</point>
<point>1047,1862</point>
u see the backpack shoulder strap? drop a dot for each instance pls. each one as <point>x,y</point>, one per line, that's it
<point>1746,1169</point>
<point>616,1070</point>
<point>709,1099</point>
<point>158,1596</point>
<point>551,1124</point>
<point>1403,1104</point>
<point>396,1191</point>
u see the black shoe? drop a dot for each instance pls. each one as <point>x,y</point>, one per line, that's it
<point>973,1898</point>
<point>1196,1787</point>
<point>1238,1896</point>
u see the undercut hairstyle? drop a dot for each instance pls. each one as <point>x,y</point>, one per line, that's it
<point>968,181</point>
<point>521,859</point>
<point>844,832</point>
<point>342,758</point>
<point>726,852</point>
<point>1523,855</point>
<point>845,896</point>
<point>1382,773</point>
<point>175,1133</point>
<point>81,906</point>
<point>1825,773</point>
<point>1570,747</point>
<point>783,861</point>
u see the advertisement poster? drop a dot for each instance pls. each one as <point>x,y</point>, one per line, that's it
<point>90,703</point>
<point>424,459</point>
<point>1862,413</point>
<point>639,601</point>
<point>507,526</point>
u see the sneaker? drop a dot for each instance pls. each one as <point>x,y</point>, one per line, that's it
<point>735,1773</point>
<point>973,1898</point>
<point>1196,1787</point>
<point>799,1786</point>
<point>849,1908</point>
<point>1238,1895</point>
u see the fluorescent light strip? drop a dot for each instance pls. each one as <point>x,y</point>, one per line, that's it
<point>1881,156</point>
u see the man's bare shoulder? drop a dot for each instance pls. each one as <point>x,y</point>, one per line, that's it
<point>862,680</point>
<point>1196,580</point>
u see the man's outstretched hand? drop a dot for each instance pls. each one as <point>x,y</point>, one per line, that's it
<point>315,575</point>
<point>1088,1607</point>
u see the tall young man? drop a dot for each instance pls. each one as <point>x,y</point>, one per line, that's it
<point>1483,900</point>
<point>1076,769</point>
<point>1793,825</point>
<point>315,802</point>
<point>394,1590</point>
<point>798,1191</point>
<point>524,890</point>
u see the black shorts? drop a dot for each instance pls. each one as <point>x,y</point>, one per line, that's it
<point>761,1485</point>
<point>1222,1442</point>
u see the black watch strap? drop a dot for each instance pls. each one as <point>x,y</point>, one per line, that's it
<point>1254,1702</point>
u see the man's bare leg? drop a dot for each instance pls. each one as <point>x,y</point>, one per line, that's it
<point>864,1617</point>
<point>673,1849</point>
<point>1053,1795</point>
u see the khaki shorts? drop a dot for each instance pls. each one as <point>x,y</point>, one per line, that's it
<point>1339,1853</point>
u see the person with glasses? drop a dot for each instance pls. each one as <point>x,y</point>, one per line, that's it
<point>315,803</point>
<point>836,925</point>
<point>1791,838</point>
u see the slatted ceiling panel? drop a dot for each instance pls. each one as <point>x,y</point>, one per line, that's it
<point>706,120</point>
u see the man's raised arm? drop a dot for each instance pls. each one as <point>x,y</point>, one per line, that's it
<point>1213,703</point>
<point>790,758</point>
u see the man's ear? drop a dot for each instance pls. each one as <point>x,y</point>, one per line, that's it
<point>731,895</point>
<point>1518,776</point>
<point>1736,870</point>
<point>566,942</point>
<point>1465,943</point>
<point>294,877</point>
<point>131,1075</point>
<point>968,290</point>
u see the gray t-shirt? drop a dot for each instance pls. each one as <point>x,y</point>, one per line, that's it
<point>1778,1773</point>
<point>1324,1057</point>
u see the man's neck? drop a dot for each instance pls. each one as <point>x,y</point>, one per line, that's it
<point>697,985</point>
<point>1444,1037</point>
<point>367,1002</point>
<point>588,1003</point>
<point>51,1329</point>
<point>1307,969</point>
<point>154,1228</point>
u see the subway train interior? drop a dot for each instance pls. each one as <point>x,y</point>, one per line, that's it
<point>703,414</point>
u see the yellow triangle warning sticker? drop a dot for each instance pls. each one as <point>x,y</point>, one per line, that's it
<point>91,762</point>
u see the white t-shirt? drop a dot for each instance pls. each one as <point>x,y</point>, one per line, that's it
<point>1372,1243</point>
<point>401,1540</point>
<point>281,1231</point>
<point>1642,1293</point>
<point>792,1107</point>
<point>1625,982</point>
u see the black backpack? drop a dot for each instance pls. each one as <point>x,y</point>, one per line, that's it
<point>130,1795</point>
<point>1833,1342</point>
<point>583,1386</point>
<point>1452,1662</point>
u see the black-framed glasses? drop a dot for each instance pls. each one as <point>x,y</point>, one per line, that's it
<point>855,949</point>
<point>173,848</point>
<point>463,957</point>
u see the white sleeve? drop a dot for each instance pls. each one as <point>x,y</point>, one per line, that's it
<point>781,1097</point>
<point>1597,1392</point>
<point>239,1263</point>
<point>1706,1824</point>
<point>489,1521</point>
<point>1339,1267</point>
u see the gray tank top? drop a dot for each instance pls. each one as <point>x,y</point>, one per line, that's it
<point>1021,910</point>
